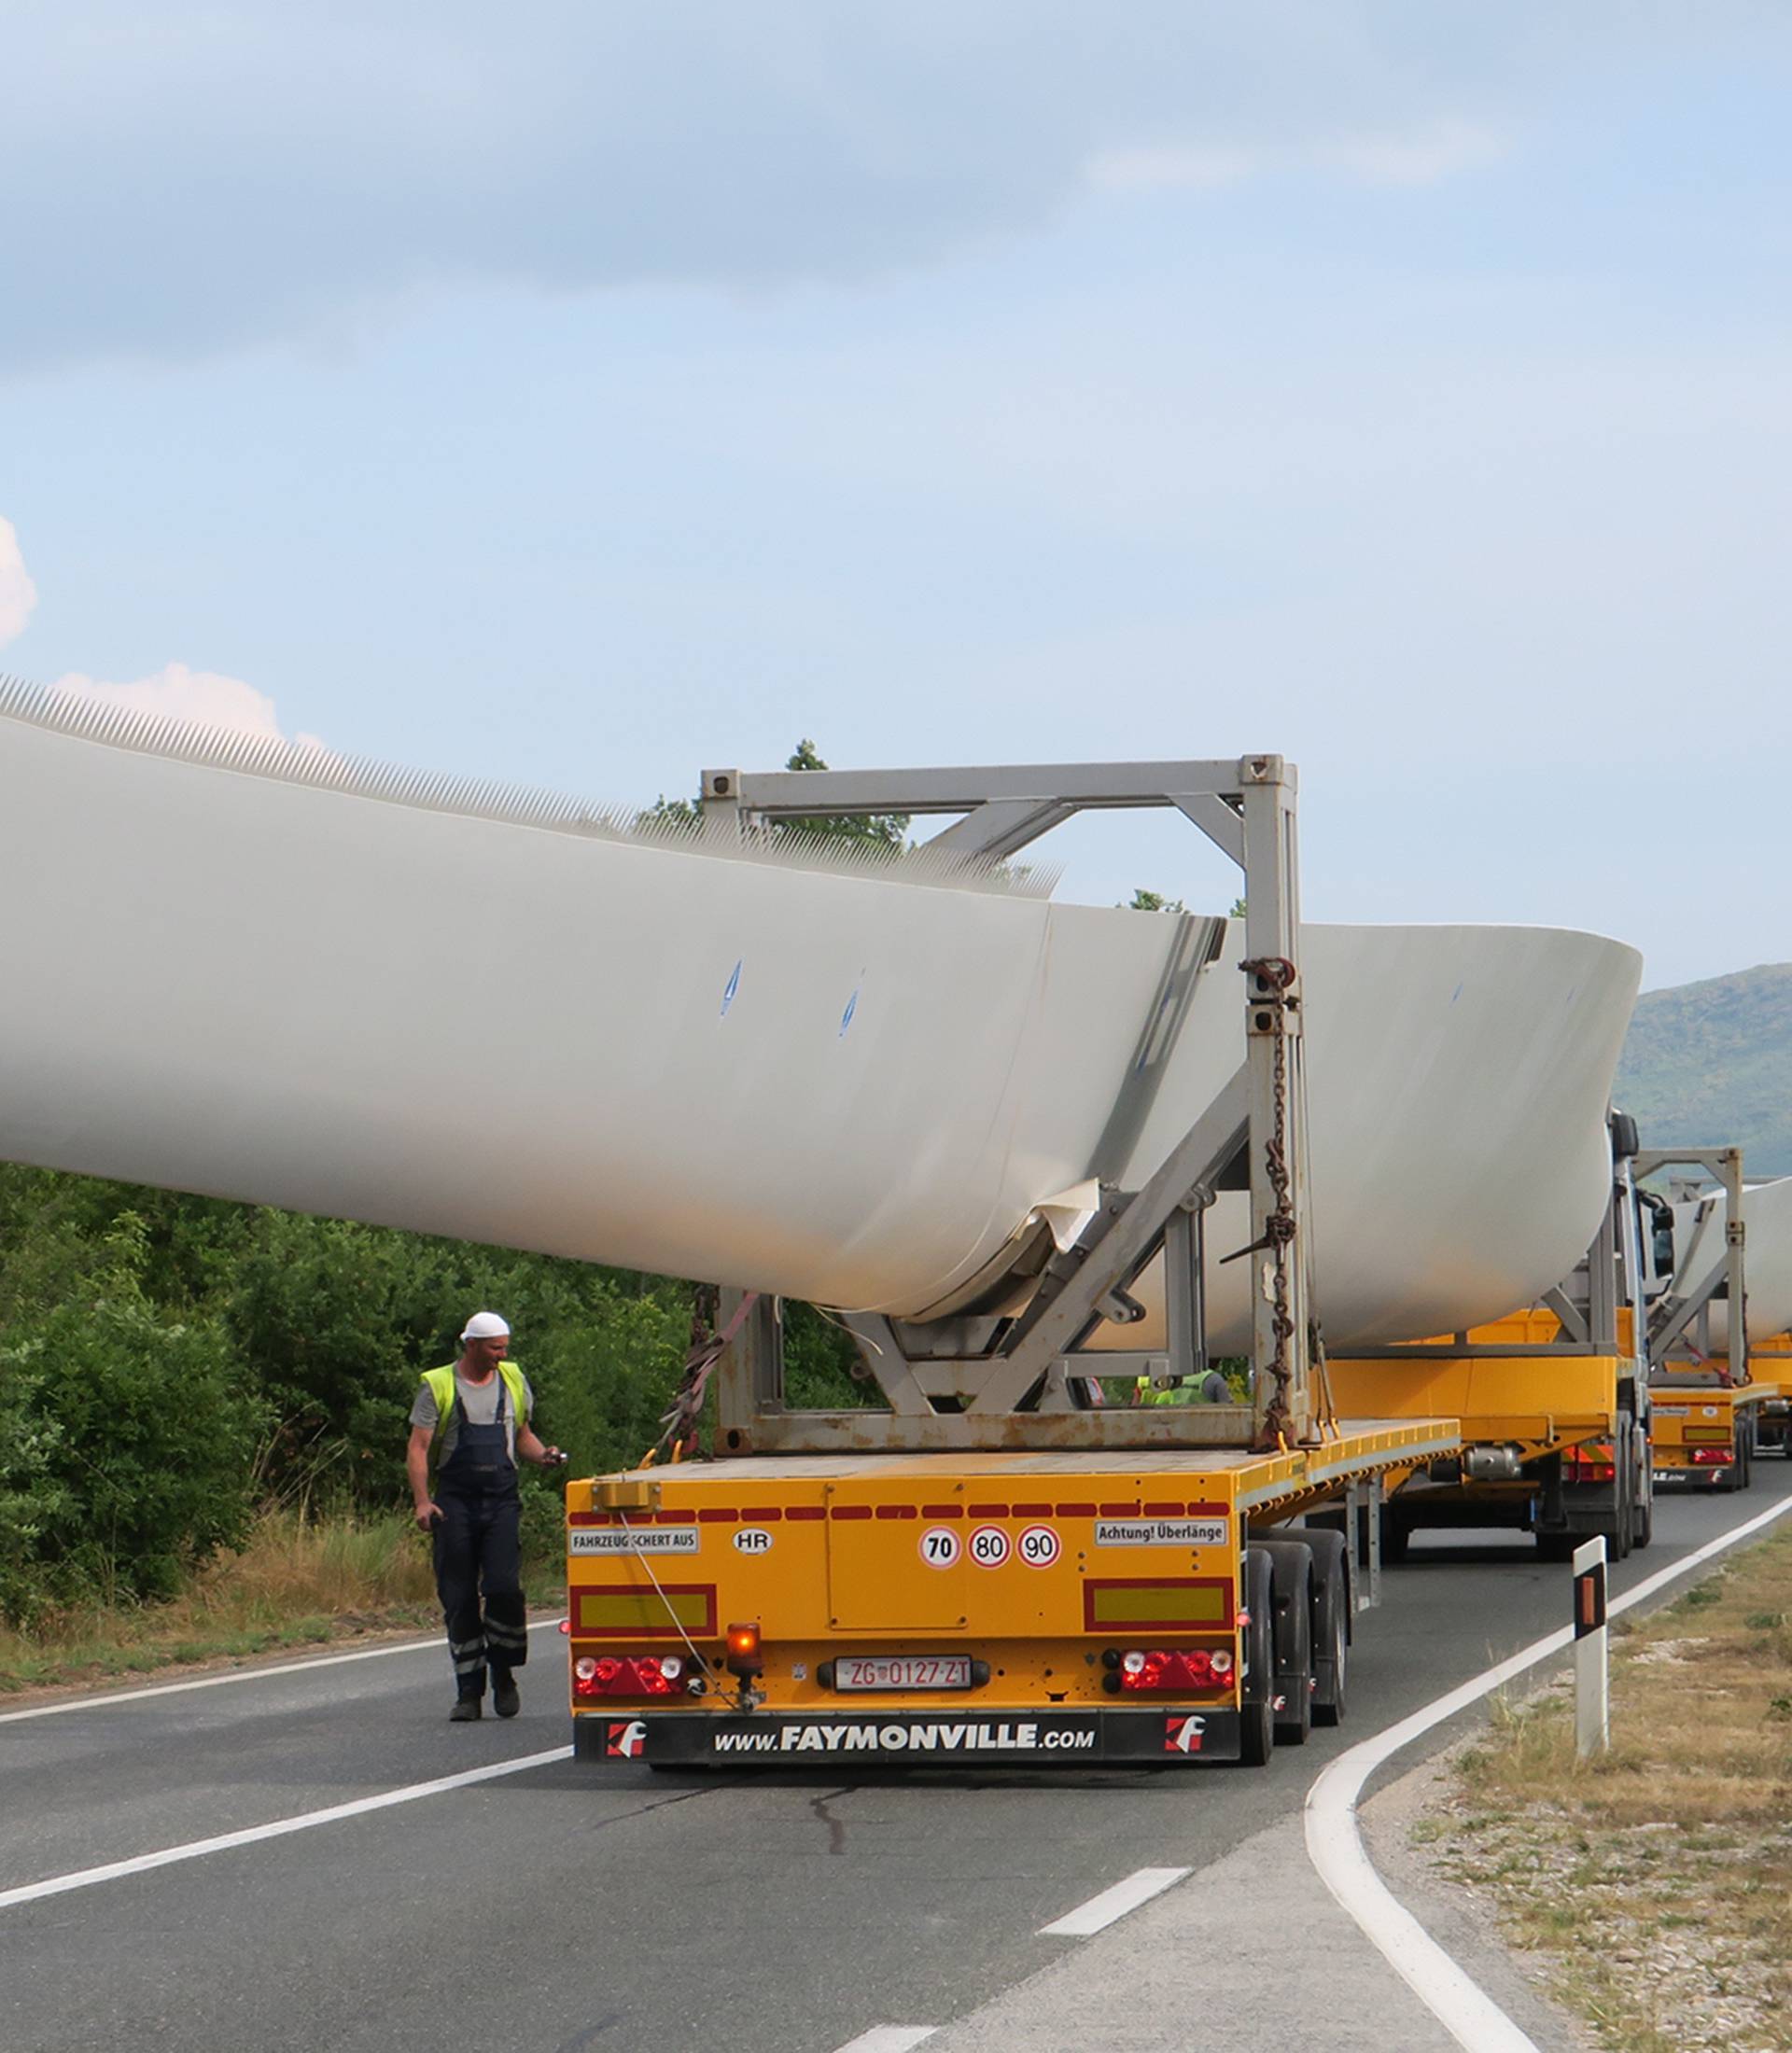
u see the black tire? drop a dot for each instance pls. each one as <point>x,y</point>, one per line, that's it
<point>1618,1534</point>
<point>1257,1686</point>
<point>1397,1535</point>
<point>1332,1624</point>
<point>1292,1568</point>
<point>1557,1546</point>
<point>1643,1517</point>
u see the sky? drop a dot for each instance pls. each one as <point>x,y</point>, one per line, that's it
<point>584,394</point>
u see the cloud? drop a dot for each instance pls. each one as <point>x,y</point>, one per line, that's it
<point>226,171</point>
<point>1422,156</point>
<point>18,594</point>
<point>1149,169</point>
<point>1441,149</point>
<point>206,698</point>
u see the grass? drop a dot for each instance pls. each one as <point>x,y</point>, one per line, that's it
<point>1655,1881</point>
<point>303,1580</point>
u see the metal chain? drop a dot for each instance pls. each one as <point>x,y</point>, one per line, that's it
<point>1279,1227</point>
<point>679,1422</point>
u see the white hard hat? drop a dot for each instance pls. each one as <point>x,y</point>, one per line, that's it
<point>485,1326</point>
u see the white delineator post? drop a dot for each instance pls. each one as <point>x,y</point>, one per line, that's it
<point>1592,1710</point>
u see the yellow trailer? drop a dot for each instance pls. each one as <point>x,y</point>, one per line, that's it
<point>1019,1607</point>
<point>1705,1431</point>
<point>1770,1365</point>
<point>1549,1438</point>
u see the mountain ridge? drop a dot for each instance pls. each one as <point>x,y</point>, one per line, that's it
<point>1709,1064</point>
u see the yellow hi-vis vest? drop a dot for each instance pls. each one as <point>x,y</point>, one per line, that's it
<point>441,1388</point>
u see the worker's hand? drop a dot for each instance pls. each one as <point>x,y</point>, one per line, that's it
<point>551,1458</point>
<point>427,1515</point>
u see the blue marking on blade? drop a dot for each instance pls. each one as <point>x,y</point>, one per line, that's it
<point>728,994</point>
<point>846,1017</point>
<point>1455,994</point>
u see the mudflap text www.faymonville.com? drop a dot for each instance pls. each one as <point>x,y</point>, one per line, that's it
<point>1134,1736</point>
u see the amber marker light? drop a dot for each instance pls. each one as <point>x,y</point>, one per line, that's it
<point>743,1652</point>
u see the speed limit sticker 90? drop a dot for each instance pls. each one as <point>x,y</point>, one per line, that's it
<point>939,1546</point>
<point>989,1546</point>
<point>1039,1547</point>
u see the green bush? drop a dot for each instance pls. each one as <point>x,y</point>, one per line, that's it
<point>127,1444</point>
<point>169,1363</point>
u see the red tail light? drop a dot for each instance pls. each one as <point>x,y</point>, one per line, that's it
<point>627,1675</point>
<point>1168,1673</point>
<point>1715,1457</point>
<point>1587,1465</point>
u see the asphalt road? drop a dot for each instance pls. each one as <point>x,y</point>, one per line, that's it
<point>562,1907</point>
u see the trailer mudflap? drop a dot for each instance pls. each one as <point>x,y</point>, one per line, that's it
<point>1159,1734</point>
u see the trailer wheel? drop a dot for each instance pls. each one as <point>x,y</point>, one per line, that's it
<point>1556,1546</point>
<point>1332,1622</point>
<point>1256,1694</point>
<point>1618,1534</point>
<point>1643,1530</point>
<point>1292,1567</point>
<point>1397,1535</point>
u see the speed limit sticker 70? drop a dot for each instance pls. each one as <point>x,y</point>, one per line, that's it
<point>939,1546</point>
<point>1039,1547</point>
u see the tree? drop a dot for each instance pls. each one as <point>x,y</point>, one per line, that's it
<point>1153,901</point>
<point>886,830</point>
<point>127,1441</point>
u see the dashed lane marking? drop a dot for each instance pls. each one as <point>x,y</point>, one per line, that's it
<point>1112,1904</point>
<point>195,1849</point>
<point>889,2038</point>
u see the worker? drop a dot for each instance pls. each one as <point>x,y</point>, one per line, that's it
<point>474,1415</point>
<point>1208,1389</point>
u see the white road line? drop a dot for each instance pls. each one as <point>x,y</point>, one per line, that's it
<point>1335,1844</point>
<point>197,1849</point>
<point>1102,1910</point>
<point>103,1700</point>
<point>889,2038</point>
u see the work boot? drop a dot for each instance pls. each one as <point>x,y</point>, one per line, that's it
<point>505,1700</point>
<point>466,1708</point>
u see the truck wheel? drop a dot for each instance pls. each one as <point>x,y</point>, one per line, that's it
<point>1618,1534</point>
<point>1330,1624</point>
<point>1292,1568</point>
<point>1256,1692</point>
<point>1643,1530</point>
<point>1556,1546</point>
<point>1397,1535</point>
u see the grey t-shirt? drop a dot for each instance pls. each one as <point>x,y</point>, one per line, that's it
<point>479,1401</point>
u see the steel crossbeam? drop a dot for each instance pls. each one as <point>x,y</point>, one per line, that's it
<point>1020,1382</point>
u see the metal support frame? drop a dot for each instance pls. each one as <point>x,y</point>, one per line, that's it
<point>1001,1382</point>
<point>1676,1316</point>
